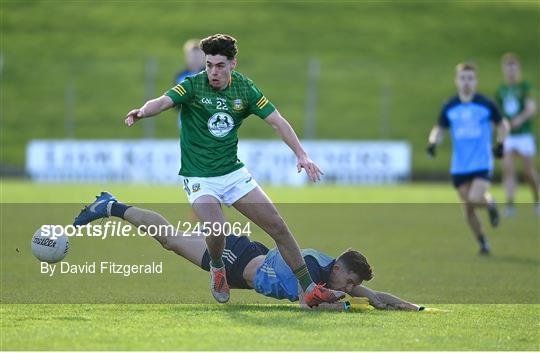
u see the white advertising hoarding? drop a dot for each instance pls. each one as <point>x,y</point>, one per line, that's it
<point>271,162</point>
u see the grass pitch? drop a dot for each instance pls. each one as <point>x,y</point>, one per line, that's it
<point>265,327</point>
<point>420,251</point>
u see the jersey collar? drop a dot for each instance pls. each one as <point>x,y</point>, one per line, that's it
<point>228,84</point>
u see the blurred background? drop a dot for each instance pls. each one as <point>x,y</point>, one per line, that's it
<point>336,70</point>
<point>362,83</point>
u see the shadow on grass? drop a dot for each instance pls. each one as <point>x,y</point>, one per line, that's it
<point>243,314</point>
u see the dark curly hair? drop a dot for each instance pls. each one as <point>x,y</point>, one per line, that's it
<point>220,44</point>
<point>356,262</point>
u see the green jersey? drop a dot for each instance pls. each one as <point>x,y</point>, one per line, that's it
<point>210,122</point>
<point>511,100</point>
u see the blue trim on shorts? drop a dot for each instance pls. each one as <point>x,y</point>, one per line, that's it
<point>460,179</point>
<point>239,251</point>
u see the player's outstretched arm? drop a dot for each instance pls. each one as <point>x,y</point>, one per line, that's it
<point>150,108</point>
<point>287,134</point>
<point>382,300</point>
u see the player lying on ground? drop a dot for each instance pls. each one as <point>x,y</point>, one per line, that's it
<point>251,265</point>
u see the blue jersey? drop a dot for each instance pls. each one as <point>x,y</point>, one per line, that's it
<point>181,76</point>
<point>470,129</point>
<point>275,279</point>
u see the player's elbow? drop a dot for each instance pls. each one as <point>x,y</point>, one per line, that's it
<point>475,199</point>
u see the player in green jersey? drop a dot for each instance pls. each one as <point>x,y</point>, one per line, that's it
<point>517,104</point>
<point>214,104</point>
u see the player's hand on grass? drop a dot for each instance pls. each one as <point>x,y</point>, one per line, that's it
<point>498,150</point>
<point>431,150</point>
<point>313,171</point>
<point>432,310</point>
<point>133,116</point>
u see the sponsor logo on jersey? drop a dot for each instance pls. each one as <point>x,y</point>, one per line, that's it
<point>205,100</point>
<point>220,124</point>
<point>196,187</point>
<point>237,104</point>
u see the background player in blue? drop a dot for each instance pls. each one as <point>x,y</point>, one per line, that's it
<point>251,265</point>
<point>470,116</point>
<point>195,63</point>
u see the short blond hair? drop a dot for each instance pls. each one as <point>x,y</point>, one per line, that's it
<point>191,44</point>
<point>465,67</point>
<point>510,58</point>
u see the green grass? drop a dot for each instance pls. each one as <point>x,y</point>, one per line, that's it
<point>257,327</point>
<point>421,251</point>
<point>405,48</point>
<point>14,191</point>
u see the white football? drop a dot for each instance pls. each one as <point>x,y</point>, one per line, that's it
<point>48,245</point>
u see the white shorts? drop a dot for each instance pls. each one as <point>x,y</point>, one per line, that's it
<point>522,144</point>
<point>227,188</point>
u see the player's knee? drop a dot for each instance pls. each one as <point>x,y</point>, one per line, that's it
<point>476,197</point>
<point>169,242</point>
<point>165,243</point>
<point>215,231</point>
